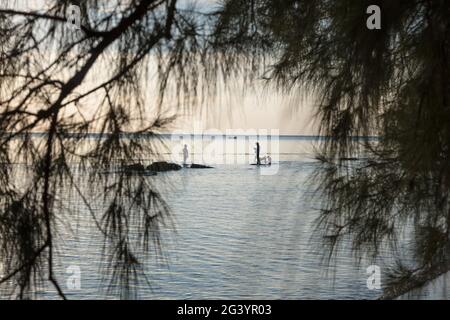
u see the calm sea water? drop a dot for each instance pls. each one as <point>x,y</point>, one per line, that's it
<point>239,235</point>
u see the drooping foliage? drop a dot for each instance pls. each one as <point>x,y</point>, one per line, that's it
<point>60,84</point>
<point>393,83</point>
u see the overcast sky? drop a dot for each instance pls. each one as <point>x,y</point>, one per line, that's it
<point>261,108</point>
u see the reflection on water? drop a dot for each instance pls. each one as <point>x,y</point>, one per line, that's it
<point>238,235</point>
<point>242,235</point>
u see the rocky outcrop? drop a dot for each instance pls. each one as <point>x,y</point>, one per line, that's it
<point>163,166</point>
<point>159,166</point>
<point>199,166</point>
<point>137,169</point>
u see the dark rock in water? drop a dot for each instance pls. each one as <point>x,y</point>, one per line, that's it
<point>163,166</point>
<point>199,166</point>
<point>148,173</point>
<point>134,167</point>
<point>137,169</point>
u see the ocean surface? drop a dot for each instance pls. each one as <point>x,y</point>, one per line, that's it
<point>236,233</point>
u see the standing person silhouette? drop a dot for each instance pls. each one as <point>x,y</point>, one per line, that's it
<point>258,160</point>
<point>185,155</point>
